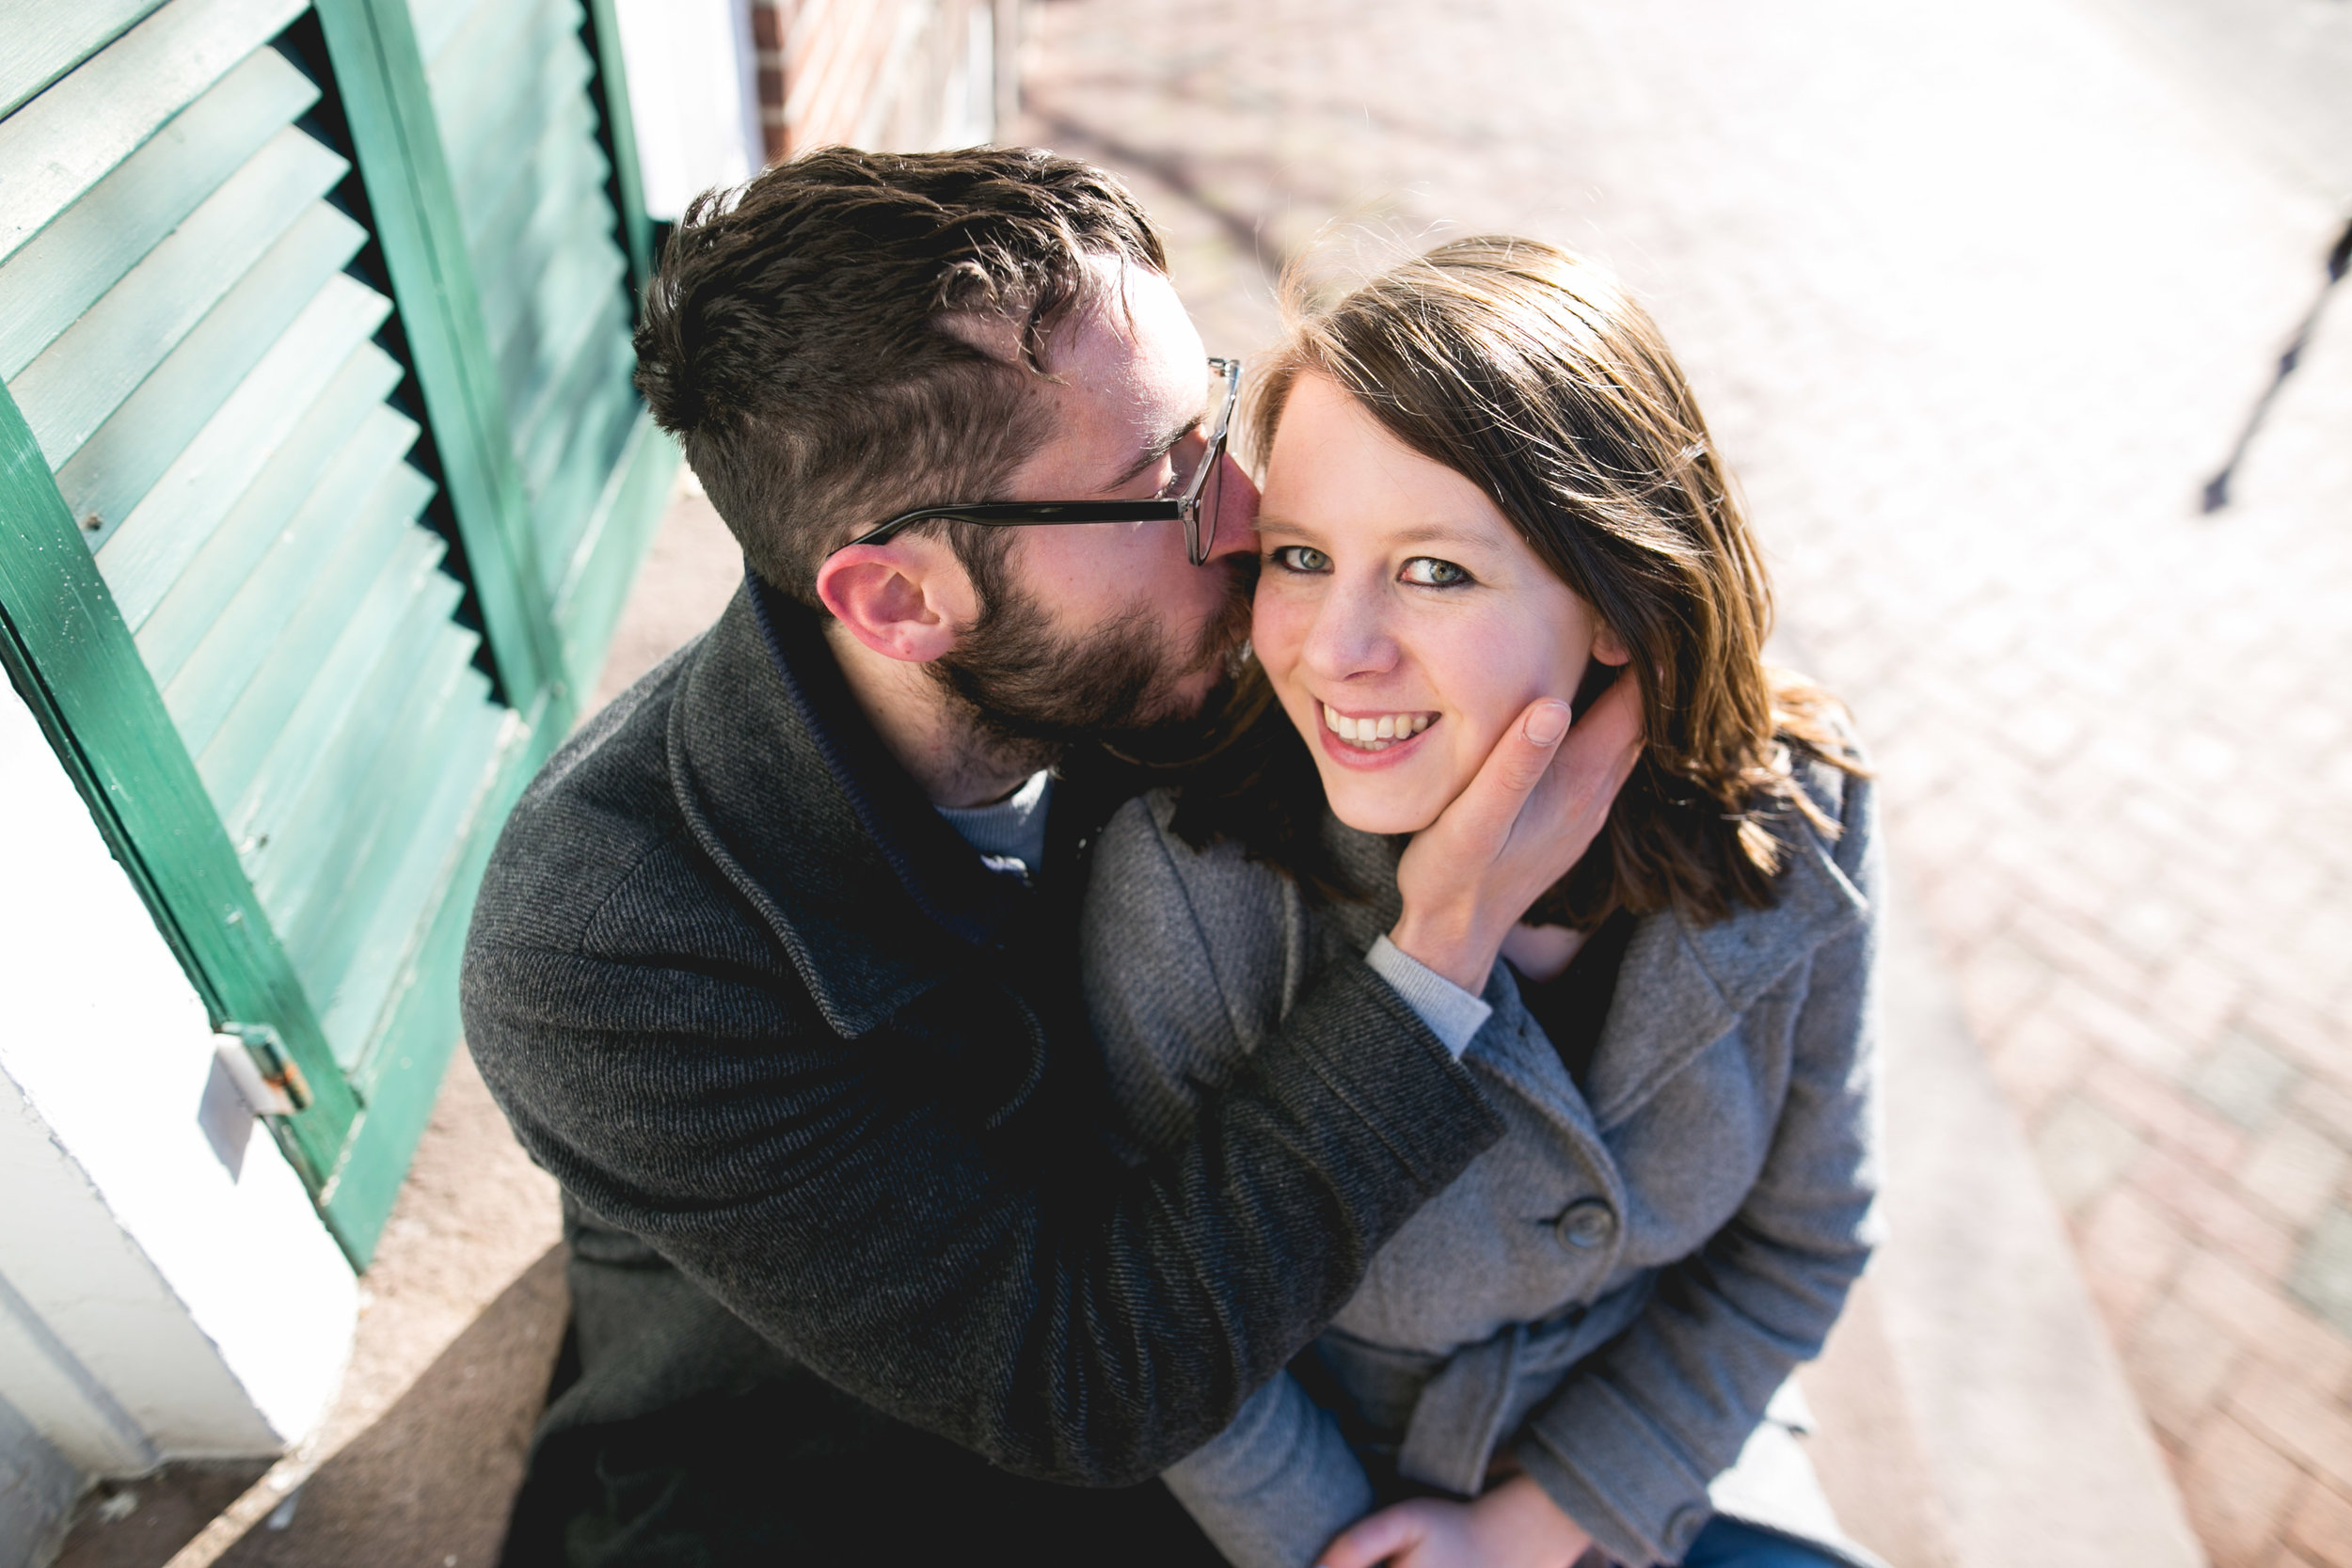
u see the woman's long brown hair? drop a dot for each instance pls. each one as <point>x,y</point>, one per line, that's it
<point>1533,373</point>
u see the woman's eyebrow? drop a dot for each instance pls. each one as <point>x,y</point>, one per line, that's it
<point>1437,533</point>
<point>1418,533</point>
<point>1284,526</point>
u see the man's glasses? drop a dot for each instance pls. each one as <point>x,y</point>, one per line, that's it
<point>1196,490</point>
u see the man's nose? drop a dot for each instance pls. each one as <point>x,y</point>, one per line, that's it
<point>1236,511</point>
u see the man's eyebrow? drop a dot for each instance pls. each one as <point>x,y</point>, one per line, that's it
<point>1159,446</point>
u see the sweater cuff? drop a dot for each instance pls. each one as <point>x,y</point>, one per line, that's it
<point>1452,1014</point>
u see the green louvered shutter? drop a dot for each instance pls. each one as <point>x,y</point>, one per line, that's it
<point>517,94</point>
<point>267,466</point>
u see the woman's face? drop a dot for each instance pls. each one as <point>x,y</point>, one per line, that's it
<point>1401,617</point>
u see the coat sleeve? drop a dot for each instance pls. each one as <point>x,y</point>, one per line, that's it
<point>1226,944</point>
<point>1188,960</point>
<point>1629,1442</point>
<point>1068,1319</point>
<point>1278,1487</point>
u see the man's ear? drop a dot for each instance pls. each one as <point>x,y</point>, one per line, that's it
<point>1609,647</point>
<point>909,599</point>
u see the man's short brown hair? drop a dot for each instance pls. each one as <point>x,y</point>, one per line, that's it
<point>795,340</point>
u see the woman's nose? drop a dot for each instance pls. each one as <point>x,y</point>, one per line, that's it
<point>1349,636</point>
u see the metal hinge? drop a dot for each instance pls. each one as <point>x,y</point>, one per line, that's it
<point>257,1063</point>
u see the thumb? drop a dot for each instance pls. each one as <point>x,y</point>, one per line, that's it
<point>1516,765</point>
<point>1375,1539</point>
<point>1525,750</point>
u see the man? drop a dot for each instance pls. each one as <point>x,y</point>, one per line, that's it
<point>773,968</point>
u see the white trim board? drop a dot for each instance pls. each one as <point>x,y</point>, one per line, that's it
<point>154,1303</point>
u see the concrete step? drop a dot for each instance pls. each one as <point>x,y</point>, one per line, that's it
<point>1972,1411</point>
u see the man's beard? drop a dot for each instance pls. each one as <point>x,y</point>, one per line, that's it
<point>1033,693</point>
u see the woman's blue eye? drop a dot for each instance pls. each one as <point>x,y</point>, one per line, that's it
<point>1429,572</point>
<point>1301,557</point>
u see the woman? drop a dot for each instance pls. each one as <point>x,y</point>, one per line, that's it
<point>1486,483</point>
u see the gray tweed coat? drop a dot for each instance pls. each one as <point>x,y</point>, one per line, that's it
<point>1612,1295</point>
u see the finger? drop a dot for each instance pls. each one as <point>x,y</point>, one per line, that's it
<point>1568,812</point>
<point>1492,800</point>
<point>1612,727</point>
<point>1599,755</point>
<point>1376,1538</point>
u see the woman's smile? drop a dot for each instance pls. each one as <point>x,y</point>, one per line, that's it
<point>1372,740</point>
<point>1374,732</point>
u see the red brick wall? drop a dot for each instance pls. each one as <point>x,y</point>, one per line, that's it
<point>767,39</point>
<point>877,71</point>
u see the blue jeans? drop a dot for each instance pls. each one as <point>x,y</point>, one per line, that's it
<point>1727,1543</point>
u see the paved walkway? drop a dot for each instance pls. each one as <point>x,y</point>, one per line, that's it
<point>1977,299</point>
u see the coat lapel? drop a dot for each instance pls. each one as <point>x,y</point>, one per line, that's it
<point>792,796</point>
<point>1683,987</point>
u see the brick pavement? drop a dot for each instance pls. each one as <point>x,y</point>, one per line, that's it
<point>1977,298</point>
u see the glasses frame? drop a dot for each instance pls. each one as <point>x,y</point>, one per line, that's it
<point>1185,508</point>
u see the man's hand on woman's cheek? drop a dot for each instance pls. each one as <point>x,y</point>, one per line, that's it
<point>1535,807</point>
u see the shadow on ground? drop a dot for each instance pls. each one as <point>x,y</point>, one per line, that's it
<point>429,1482</point>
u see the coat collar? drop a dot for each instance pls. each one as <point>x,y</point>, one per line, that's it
<point>1682,987</point>
<point>786,787</point>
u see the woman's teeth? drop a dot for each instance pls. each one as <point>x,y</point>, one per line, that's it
<point>1374,734</point>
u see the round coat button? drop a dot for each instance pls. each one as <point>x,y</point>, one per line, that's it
<point>1585,1224</point>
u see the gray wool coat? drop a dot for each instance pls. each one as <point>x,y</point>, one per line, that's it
<point>1612,1295</point>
